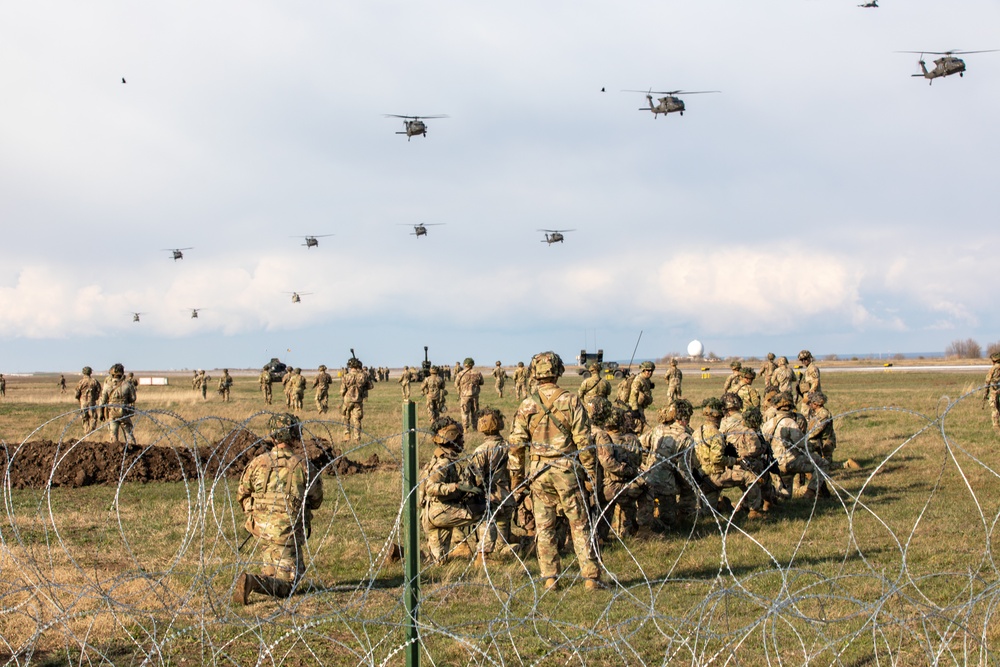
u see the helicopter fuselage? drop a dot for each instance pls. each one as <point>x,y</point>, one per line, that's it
<point>945,66</point>
<point>554,238</point>
<point>665,105</point>
<point>312,242</point>
<point>414,128</point>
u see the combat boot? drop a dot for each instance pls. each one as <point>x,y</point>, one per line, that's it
<point>755,515</point>
<point>551,584</point>
<point>461,551</point>
<point>810,494</point>
<point>241,592</point>
<point>851,464</point>
<point>594,585</point>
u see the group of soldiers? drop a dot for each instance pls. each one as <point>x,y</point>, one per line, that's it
<point>112,402</point>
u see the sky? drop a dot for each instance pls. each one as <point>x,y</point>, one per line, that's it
<point>824,199</point>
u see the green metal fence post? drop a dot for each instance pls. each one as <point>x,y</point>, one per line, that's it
<point>411,547</point>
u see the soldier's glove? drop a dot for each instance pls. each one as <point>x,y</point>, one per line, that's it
<point>468,488</point>
<point>588,485</point>
<point>746,464</point>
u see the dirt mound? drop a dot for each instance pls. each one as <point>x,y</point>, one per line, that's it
<point>74,464</point>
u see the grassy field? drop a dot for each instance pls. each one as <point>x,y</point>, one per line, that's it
<point>897,569</point>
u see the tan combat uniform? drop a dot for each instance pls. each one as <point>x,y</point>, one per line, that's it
<point>118,405</point>
<point>265,385</point>
<point>404,383</point>
<point>468,382</point>
<point>500,380</point>
<point>441,502</point>
<point>992,395</point>
<point>88,392</point>
<point>595,385</point>
<point>788,446</point>
<point>674,378</point>
<point>487,469</point>
<point>521,382</point>
<point>321,383</point>
<point>225,385</point>
<point>354,390</point>
<point>434,391</point>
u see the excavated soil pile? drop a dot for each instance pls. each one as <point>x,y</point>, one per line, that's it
<point>74,464</point>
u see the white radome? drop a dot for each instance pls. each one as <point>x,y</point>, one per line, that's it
<point>695,348</point>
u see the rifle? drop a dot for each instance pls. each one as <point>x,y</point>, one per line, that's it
<point>244,542</point>
<point>633,354</point>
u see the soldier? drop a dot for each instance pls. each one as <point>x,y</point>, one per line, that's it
<point>286,385</point>
<point>265,384</point>
<point>488,471</point>
<point>354,390</point>
<point>733,379</point>
<point>203,380</point>
<point>298,383</point>
<point>457,369</point>
<point>741,432</point>
<point>404,382</point>
<point>521,381</point>
<point>88,392</point>
<point>822,437</point>
<point>808,379</point>
<point>746,392</point>
<point>620,462</point>
<point>225,385</point>
<point>992,394</point>
<point>657,507</point>
<point>788,444</point>
<point>118,404</point>
<point>279,491</point>
<point>595,385</point>
<point>468,382</point>
<point>767,370</point>
<point>447,499</point>
<point>783,378</point>
<point>62,384</point>
<point>130,378</point>
<point>640,395</point>
<point>500,376</point>
<point>434,392</point>
<point>321,383</point>
<point>597,408</point>
<point>720,461</point>
<point>3,385</point>
<point>550,448</point>
<point>674,378</point>
<point>195,382</point>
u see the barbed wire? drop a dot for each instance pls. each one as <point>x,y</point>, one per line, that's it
<point>129,554</point>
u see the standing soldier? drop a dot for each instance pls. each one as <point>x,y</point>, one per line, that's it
<point>279,491</point>
<point>203,380</point>
<point>488,471</point>
<point>265,384</point>
<point>640,395</point>
<point>354,390</point>
<point>286,385</point>
<point>746,392</point>
<point>132,381</point>
<point>767,371</point>
<point>298,388</point>
<point>674,378</point>
<point>118,404</point>
<point>321,383</point>
<point>468,381</point>
<point>500,376</point>
<point>808,379</point>
<point>458,369</point>
<point>550,448</point>
<point>733,379</point>
<point>992,394</point>
<point>88,391</point>
<point>595,385</point>
<point>225,385</point>
<point>3,385</point>
<point>521,381</point>
<point>783,378</point>
<point>62,384</point>
<point>195,383</point>
<point>404,382</point>
<point>433,389</point>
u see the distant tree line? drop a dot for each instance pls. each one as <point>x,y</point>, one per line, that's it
<point>969,349</point>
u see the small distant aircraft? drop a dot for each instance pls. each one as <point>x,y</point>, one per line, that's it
<point>135,316</point>
<point>297,296</point>
<point>194,313</point>
<point>554,235</point>
<point>177,252</point>
<point>414,125</point>
<point>421,228</point>
<point>668,104</point>
<point>944,66</point>
<point>311,241</point>
<point>870,5</point>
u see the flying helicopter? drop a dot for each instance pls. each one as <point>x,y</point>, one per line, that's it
<point>944,66</point>
<point>420,229</point>
<point>870,5</point>
<point>668,104</point>
<point>554,235</point>
<point>312,241</point>
<point>194,313</point>
<point>135,316</point>
<point>297,296</point>
<point>177,252</point>
<point>414,125</point>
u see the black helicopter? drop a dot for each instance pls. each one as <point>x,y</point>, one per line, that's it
<point>870,5</point>
<point>554,235</point>
<point>312,241</point>
<point>669,103</point>
<point>135,316</point>
<point>177,252</point>
<point>194,313</point>
<point>297,296</point>
<point>420,229</point>
<point>414,125</point>
<point>946,65</point>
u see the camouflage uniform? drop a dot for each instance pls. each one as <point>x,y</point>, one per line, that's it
<point>286,386</point>
<point>88,392</point>
<point>443,493</point>
<point>992,394</point>
<point>279,491</point>
<point>674,378</point>
<point>658,505</point>
<point>500,379</point>
<point>3,385</point>
<point>62,384</point>
<point>321,383</point>
<point>720,464</point>
<point>595,385</point>
<point>118,404</point>
<point>733,381</point>
<point>354,390</point>
<point>788,445</point>
<point>640,395</point>
<point>783,378</point>
<point>404,382</point>
<point>203,380</point>
<point>521,381</point>
<point>195,381</point>
<point>822,437</point>
<point>468,382</point>
<point>487,469</point>
<point>297,383</point>
<point>265,384</point>
<point>553,427</point>
<point>225,384</point>
<point>808,379</point>
<point>434,391</point>
<point>746,392</point>
<point>767,369</point>
<point>620,462</point>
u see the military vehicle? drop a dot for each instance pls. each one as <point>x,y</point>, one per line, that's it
<point>668,104</point>
<point>554,235</point>
<point>414,125</point>
<point>945,66</point>
<point>609,369</point>
<point>421,228</point>
<point>177,252</point>
<point>311,241</point>
<point>276,368</point>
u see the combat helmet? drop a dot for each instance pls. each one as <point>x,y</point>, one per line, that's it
<point>520,364</point>
<point>87,370</point>
<point>995,357</point>
<point>816,397</point>
<point>594,368</point>
<point>673,362</point>
<point>435,370</point>
<point>284,428</point>
<point>298,371</point>
<point>614,419</point>
<point>770,356</point>
<point>597,408</point>
<point>735,365</point>
<point>117,370</point>
<point>805,355</point>
<point>489,421</point>
<point>498,363</point>
<point>752,418</point>
<point>469,362</point>
<point>322,367</point>
<point>748,372</point>
<point>731,401</point>
<point>784,401</point>
<point>547,365</point>
<point>682,409</point>
<point>712,407</point>
<point>448,434</point>
<point>647,366</point>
